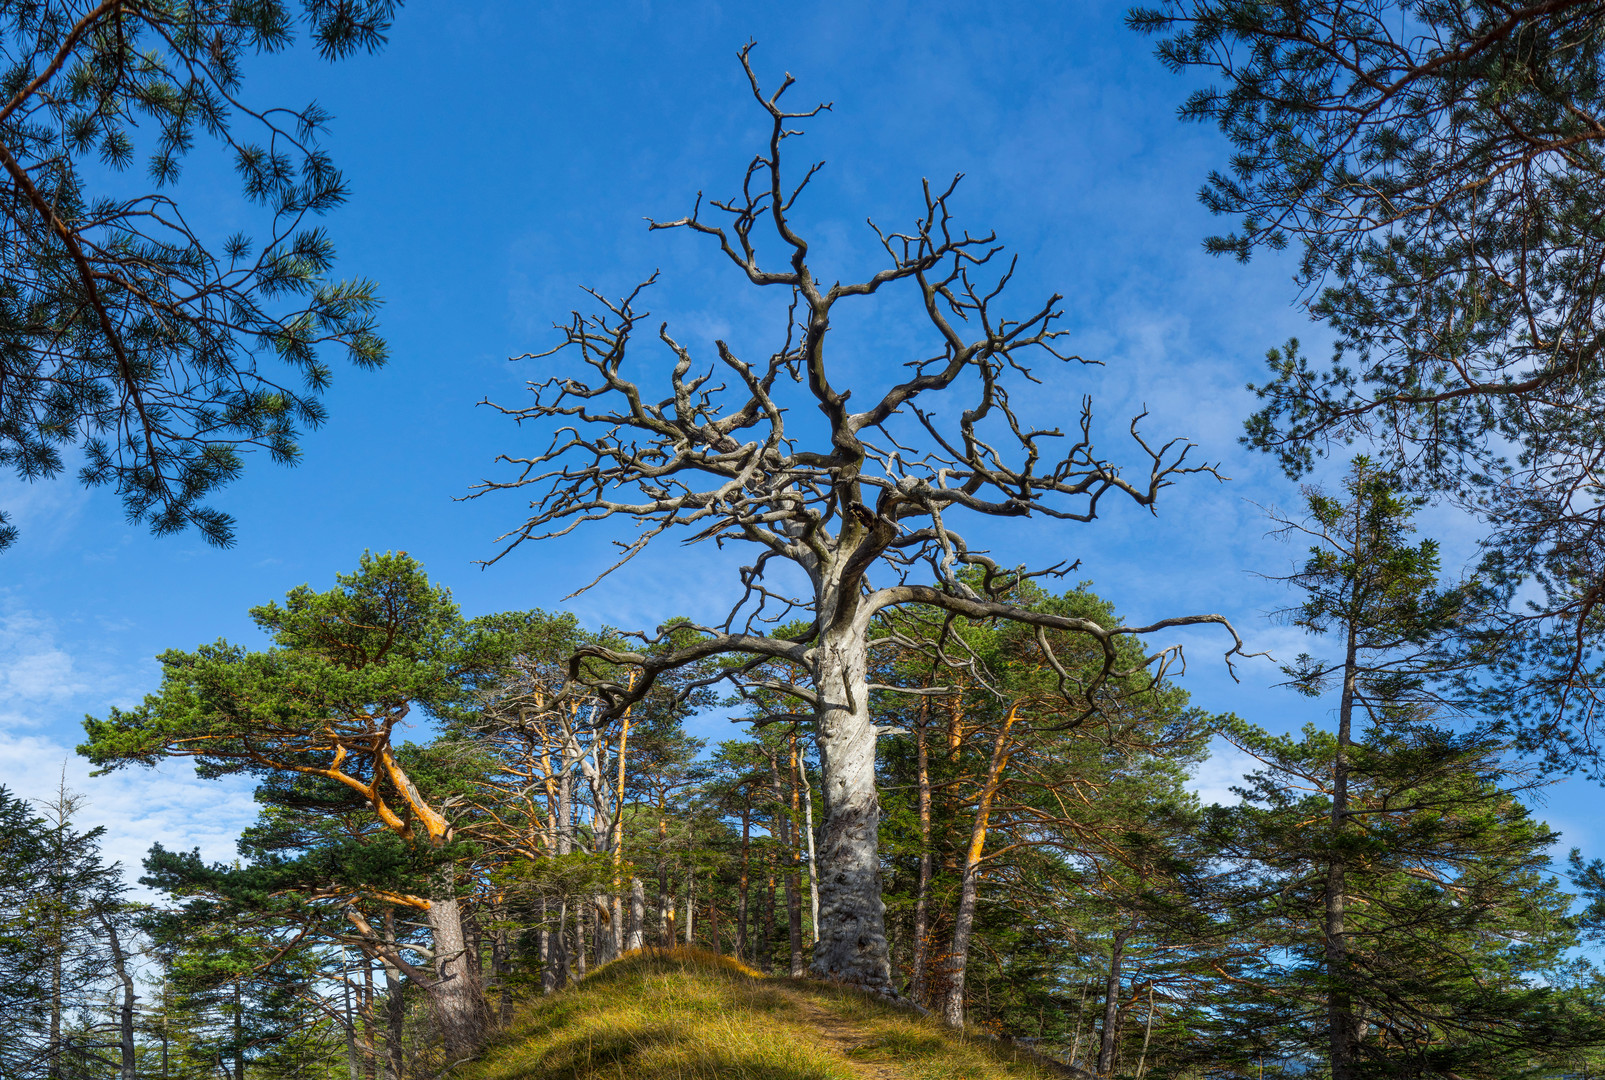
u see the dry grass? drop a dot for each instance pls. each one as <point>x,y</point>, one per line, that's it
<point>688,1015</point>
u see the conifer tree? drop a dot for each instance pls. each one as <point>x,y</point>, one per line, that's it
<point>1388,868</point>
<point>346,667</point>
<point>1439,168</point>
<point>124,331</point>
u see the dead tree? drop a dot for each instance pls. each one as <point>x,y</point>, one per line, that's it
<point>868,492</point>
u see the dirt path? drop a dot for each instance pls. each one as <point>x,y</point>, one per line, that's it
<point>845,1037</point>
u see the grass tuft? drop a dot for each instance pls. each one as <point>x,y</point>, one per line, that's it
<point>691,1014</point>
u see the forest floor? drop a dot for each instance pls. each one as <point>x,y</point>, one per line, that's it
<point>690,1015</point>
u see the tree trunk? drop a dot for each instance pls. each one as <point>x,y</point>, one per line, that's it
<point>690,902</point>
<point>125,1024</point>
<point>922,928</point>
<point>1111,1001</point>
<point>1340,1009</point>
<point>455,994</point>
<point>808,836</point>
<point>742,951</point>
<point>352,1068</point>
<point>239,1032</point>
<point>637,934</point>
<point>766,921</point>
<point>395,1006</point>
<point>964,920</point>
<point>1147,1034</point>
<point>502,968</point>
<point>852,919</point>
<point>370,1054</point>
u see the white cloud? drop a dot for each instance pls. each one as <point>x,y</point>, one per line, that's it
<point>137,807</point>
<point>1213,779</point>
<point>45,683</point>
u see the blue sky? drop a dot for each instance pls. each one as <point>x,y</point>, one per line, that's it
<point>503,155</point>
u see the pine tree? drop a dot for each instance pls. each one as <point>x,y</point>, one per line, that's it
<point>1387,869</point>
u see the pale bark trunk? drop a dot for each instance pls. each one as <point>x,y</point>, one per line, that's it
<point>916,989</point>
<point>455,994</point>
<point>637,934</point>
<point>808,834</point>
<point>852,919</point>
<point>690,903</point>
<point>1147,1034</point>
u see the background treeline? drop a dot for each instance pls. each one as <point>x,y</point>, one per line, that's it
<point>1381,895</point>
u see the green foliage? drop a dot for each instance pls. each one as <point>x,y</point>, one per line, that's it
<point>346,665</point>
<point>122,329</point>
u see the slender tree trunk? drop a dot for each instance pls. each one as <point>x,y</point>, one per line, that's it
<point>713,921</point>
<point>370,1053</point>
<point>964,920</point>
<point>922,928</point>
<point>582,944</point>
<point>791,828</point>
<point>808,835</point>
<point>742,952</point>
<point>852,918</point>
<point>690,902</point>
<point>502,968</point>
<point>559,940</point>
<point>1081,1012</point>
<point>395,1006</point>
<point>1147,1034</point>
<point>165,1006</point>
<point>619,932</point>
<point>58,949</point>
<point>239,1032</point>
<point>1111,1001</point>
<point>766,922</point>
<point>352,1069</point>
<point>125,1026</point>
<point>1340,1009</point>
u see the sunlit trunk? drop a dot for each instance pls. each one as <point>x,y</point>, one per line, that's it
<point>922,917</point>
<point>964,919</point>
<point>637,932</point>
<point>852,919</point>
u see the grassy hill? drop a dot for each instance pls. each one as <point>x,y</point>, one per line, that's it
<point>689,1015</point>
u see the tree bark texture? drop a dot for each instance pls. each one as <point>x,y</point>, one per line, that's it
<point>1111,1001</point>
<point>125,1016</point>
<point>922,929</point>
<point>455,995</point>
<point>852,919</point>
<point>636,937</point>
